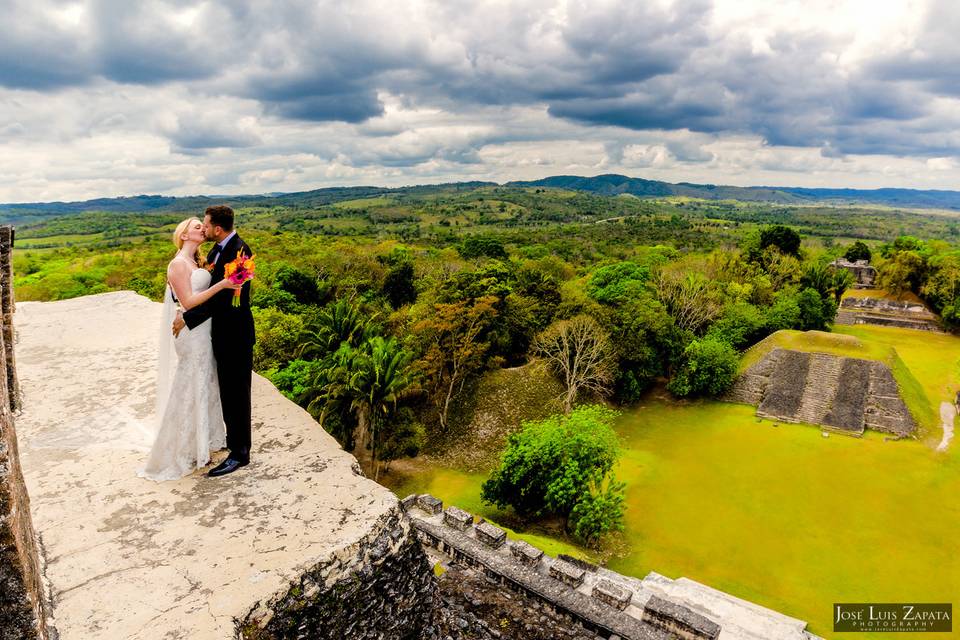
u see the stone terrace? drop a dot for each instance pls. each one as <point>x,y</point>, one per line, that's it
<point>602,601</point>
<point>195,558</point>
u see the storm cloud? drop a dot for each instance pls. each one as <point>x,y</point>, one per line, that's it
<point>244,95</point>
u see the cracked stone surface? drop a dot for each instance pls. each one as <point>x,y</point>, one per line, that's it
<point>125,557</point>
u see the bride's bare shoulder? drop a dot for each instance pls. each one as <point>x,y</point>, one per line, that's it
<point>179,265</point>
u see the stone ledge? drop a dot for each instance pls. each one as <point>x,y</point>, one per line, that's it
<point>130,558</point>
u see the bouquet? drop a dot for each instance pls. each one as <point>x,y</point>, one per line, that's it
<point>238,271</point>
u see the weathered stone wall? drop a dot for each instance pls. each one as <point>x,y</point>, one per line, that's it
<point>384,590</point>
<point>21,609</point>
<point>582,600</point>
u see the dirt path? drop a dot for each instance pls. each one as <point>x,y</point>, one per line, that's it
<point>947,414</point>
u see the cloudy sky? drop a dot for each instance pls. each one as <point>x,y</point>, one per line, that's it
<point>120,97</point>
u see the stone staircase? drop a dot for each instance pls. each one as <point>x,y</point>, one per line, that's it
<point>750,387</point>
<point>846,395</point>
<point>784,392</point>
<point>885,410</point>
<point>820,387</point>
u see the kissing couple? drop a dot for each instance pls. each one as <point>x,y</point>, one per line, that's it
<point>206,354</point>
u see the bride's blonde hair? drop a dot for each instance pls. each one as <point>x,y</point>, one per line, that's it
<point>178,237</point>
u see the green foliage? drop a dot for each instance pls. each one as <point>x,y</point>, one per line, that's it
<point>598,512</point>
<point>709,368</point>
<point>398,285</point>
<point>551,465</point>
<point>740,325</point>
<point>783,238</point>
<point>278,335</point>
<point>300,285</point>
<point>483,247</point>
<point>858,251</point>
<point>618,283</point>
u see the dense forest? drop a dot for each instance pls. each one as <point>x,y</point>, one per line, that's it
<point>379,311</point>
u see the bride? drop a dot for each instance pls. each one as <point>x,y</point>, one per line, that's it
<point>188,398</point>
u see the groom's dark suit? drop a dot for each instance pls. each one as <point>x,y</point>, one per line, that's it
<point>233,337</point>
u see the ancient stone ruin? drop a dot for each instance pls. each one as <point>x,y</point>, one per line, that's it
<point>864,275</point>
<point>846,395</point>
<point>593,599</point>
<point>887,313</point>
<point>21,588</point>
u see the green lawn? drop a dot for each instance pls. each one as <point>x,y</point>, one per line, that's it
<point>780,515</point>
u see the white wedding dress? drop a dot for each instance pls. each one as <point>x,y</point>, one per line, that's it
<point>188,401</point>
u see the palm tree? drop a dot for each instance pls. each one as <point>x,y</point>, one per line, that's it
<point>337,323</point>
<point>369,381</point>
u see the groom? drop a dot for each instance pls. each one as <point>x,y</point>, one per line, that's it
<point>232,334</point>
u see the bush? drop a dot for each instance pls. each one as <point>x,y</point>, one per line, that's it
<point>709,368</point>
<point>598,512</point>
<point>550,466</point>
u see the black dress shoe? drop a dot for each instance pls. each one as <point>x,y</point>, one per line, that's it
<point>227,466</point>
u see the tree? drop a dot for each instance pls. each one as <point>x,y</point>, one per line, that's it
<point>740,325</point>
<point>618,283</point>
<point>278,337</point>
<point>688,298</point>
<point>398,285</point>
<point>840,281</point>
<point>340,322</point>
<point>579,351</point>
<point>300,285</point>
<point>370,381</point>
<point>454,348</point>
<point>551,466</point>
<point>858,251</point>
<point>784,238</point>
<point>710,367</point>
<point>477,247</point>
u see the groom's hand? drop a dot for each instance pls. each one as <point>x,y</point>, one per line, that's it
<point>178,324</point>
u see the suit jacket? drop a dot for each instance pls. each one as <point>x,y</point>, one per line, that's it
<point>232,326</point>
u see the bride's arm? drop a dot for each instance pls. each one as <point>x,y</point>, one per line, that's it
<point>178,273</point>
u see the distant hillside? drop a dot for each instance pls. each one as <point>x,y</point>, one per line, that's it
<point>604,185</point>
<point>612,184</point>
<point>36,211</point>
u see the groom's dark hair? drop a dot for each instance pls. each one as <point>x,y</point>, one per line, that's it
<point>220,216</point>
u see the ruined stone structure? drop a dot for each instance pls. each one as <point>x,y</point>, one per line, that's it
<point>21,600</point>
<point>592,598</point>
<point>296,545</point>
<point>842,394</point>
<point>886,313</point>
<point>864,274</point>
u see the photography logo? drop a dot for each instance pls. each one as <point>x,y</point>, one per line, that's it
<point>874,616</point>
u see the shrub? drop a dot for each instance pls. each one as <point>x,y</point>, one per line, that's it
<point>552,465</point>
<point>709,368</point>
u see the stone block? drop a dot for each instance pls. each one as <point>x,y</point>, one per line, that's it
<point>526,553</point>
<point>409,502</point>
<point>490,535</point>
<point>612,594</point>
<point>567,573</point>
<point>430,504</point>
<point>679,620</point>
<point>457,518</point>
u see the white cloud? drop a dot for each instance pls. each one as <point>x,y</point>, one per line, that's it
<point>107,97</point>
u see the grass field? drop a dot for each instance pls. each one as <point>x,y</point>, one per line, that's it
<point>778,515</point>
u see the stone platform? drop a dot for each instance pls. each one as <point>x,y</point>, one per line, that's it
<point>195,558</point>
<point>846,395</point>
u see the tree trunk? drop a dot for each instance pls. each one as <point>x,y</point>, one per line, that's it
<point>362,450</point>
